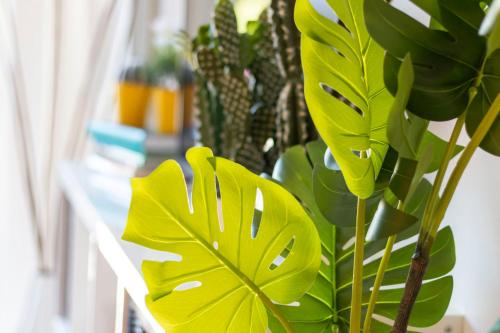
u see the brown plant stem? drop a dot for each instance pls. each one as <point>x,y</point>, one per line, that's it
<point>418,267</point>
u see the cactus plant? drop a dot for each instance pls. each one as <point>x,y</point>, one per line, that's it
<point>258,86</point>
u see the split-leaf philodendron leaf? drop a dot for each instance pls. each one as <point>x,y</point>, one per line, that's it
<point>232,267</point>
<point>325,307</point>
<point>344,88</point>
<point>452,63</point>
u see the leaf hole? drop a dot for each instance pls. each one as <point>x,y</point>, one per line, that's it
<point>188,285</point>
<point>349,243</point>
<point>338,52</point>
<point>257,213</point>
<point>219,206</point>
<point>325,260</point>
<point>216,245</point>
<point>278,261</point>
<point>339,22</point>
<point>362,154</point>
<point>268,145</point>
<point>332,92</point>
<point>294,304</point>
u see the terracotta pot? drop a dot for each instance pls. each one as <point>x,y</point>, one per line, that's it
<point>132,101</point>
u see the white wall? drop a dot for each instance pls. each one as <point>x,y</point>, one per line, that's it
<point>474,215</point>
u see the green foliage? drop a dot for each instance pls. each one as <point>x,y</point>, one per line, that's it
<point>294,124</point>
<point>345,90</point>
<point>229,254</point>
<point>135,73</point>
<point>259,86</point>
<point>326,305</point>
<point>456,70</point>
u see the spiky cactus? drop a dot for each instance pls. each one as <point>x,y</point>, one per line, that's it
<point>258,88</point>
<point>294,125</point>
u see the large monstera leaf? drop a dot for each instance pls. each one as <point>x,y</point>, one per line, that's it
<point>229,273</point>
<point>452,63</point>
<point>325,307</point>
<point>344,88</point>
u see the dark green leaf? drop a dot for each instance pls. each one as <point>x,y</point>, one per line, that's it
<point>452,63</point>
<point>388,221</point>
<point>405,134</point>
<point>325,307</point>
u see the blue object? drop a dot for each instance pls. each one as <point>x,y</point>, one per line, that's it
<point>112,134</point>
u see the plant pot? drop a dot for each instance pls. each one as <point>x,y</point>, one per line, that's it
<point>167,111</point>
<point>132,103</point>
<point>188,92</point>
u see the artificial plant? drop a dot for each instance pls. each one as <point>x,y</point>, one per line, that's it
<point>258,248</point>
<point>250,92</point>
<point>456,65</point>
<point>326,307</point>
<point>365,84</point>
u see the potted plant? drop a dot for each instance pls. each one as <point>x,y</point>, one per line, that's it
<point>164,69</point>
<point>313,250</point>
<point>133,94</point>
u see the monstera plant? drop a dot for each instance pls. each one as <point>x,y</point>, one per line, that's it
<point>345,236</point>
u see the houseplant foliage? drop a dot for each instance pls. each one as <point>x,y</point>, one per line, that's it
<point>250,99</point>
<point>230,258</point>
<point>321,253</point>
<point>325,307</point>
<point>456,65</point>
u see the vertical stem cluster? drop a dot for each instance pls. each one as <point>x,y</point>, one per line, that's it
<point>357,277</point>
<point>435,212</point>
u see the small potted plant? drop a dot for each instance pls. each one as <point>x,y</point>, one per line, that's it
<point>164,69</point>
<point>133,94</point>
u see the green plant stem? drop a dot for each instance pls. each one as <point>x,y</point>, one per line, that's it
<point>378,282</point>
<point>431,202</point>
<point>276,313</point>
<point>357,277</point>
<point>379,278</point>
<point>462,163</point>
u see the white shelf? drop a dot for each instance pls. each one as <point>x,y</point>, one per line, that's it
<point>100,202</point>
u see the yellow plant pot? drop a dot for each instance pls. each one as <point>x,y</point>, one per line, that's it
<point>132,103</point>
<point>188,92</point>
<point>166,103</point>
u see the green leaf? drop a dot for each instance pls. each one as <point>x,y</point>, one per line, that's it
<point>344,88</point>
<point>334,199</point>
<point>232,265</point>
<point>438,145</point>
<point>405,134</point>
<point>455,68</point>
<point>325,307</point>
<point>389,220</point>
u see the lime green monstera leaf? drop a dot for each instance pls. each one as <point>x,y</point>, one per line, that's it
<point>456,69</point>
<point>258,249</point>
<point>325,307</point>
<point>344,88</point>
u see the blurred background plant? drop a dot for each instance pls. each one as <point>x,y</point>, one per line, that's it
<point>249,95</point>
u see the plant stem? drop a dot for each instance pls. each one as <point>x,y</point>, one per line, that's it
<point>431,202</point>
<point>413,284</point>
<point>380,277</point>
<point>276,313</point>
<point>421,258</point>
<point>378,282</point>
<point>462,163</point>
<point>357,277</point>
